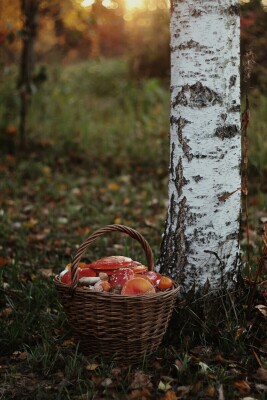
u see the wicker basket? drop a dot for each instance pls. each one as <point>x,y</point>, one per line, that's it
<point>117,327</point>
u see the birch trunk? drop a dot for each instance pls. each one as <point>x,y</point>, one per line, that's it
<point>200,245</point>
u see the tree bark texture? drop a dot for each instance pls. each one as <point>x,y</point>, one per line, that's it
<point>200,245</point>
<point>29,9</point>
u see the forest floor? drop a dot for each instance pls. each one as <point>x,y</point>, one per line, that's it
<point>53,195</point>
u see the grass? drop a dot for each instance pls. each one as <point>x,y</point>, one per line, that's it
<point>98,154</point>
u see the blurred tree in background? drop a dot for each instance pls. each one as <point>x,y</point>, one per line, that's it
<point>75,30</point>
<point>136,32</point>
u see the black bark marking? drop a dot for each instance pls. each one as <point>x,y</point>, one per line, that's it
<point>226,132</point>
<point>196,13</point>
<point>198,156</point>
<point>181,122</point>
<point>179,180</point>
<point>232,80</point>
<point>232,10</point>
<point>197,178</point>
<point>234,108</point>
<point>171,160</point>
<point>189,45</point>
<point>223,117</point>
<point>172,209</point>
<point>180,236</point>
<point>232,236</point>
<point>197,95</point>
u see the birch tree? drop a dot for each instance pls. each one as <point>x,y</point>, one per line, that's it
<point>200,245</point>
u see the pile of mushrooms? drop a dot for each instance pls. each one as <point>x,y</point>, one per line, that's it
<point>118,275</point>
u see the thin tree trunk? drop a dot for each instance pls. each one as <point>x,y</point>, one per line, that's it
<point>200,245</point>
<point>29,9</point>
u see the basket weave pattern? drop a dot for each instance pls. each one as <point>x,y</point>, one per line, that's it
<point>116,326</point>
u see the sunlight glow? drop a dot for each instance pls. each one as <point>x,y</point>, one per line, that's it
<point>87,3</point>
<point>129,4</point>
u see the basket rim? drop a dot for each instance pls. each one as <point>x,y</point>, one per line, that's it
<point>81,290</point>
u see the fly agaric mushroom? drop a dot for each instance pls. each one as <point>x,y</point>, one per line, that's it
<point>165,283</point>
<point>120,276</point>
<point>137,286</point>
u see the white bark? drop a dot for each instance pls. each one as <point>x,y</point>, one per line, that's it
<point>205,145</point>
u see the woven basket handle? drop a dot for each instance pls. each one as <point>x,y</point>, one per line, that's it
<point>100,232</point>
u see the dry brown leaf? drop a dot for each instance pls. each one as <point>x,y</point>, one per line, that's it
<point>46,272</point>
<point>140,380</point>
<point>197,387</point>
<point>6,312</point>
<point>96,380</point>
<point>138,394</point>
<point>3,261</point>
<point>68,342</point>
<point>91,367</point>
<point>262,309</point>
<point>169,395</point>
<point>240,332</point>
<point>262,374</point>
<point>210,391</point>
<point>116,372</point>
<point>242,386</point>
<point>178,365</point>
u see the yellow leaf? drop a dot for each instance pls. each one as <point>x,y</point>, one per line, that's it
<point>164,386</point>
<point>117,220</point>
<point>31,223</point>
<point>69,342</point>
<point>46,170</point>
<point>91,367</point>
<point>113,186</point>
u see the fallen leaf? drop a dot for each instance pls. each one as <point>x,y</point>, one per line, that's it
<point>62,220</point>
<point>113,186</point>
<point>140,381</point>
<point>240,332</point>
<point>242,386</point>
<point>46,272</point>
<point>262,309</point>
<point>262,374</point>
<point>178,364</point>
<point>107,382</point>
<point>91,367</point>
<point>249,398</point>
<point>116,372</point>
<point>197,387</point>
<point>261,387</point>
<point>68,342</point>
<point>31,223</point>
<point>210,391</point>
<point>169,395</point>
<point>204,367</point>
<point>5,312</point>
<point>3,261</point>
<point>164,386</point>
<point>138,394</point>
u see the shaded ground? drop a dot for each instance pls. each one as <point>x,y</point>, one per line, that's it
<point>50,202</point>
